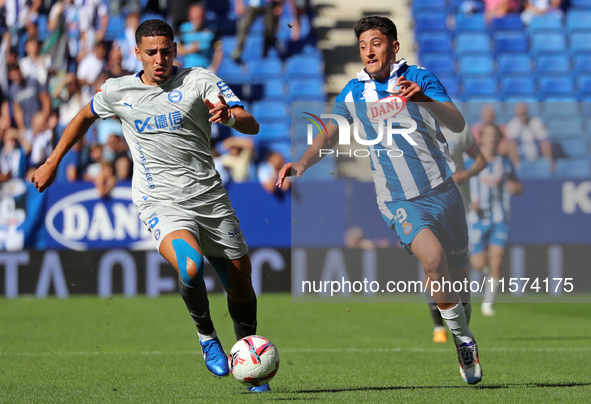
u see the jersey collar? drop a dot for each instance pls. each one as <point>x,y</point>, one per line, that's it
<point>394,67</point>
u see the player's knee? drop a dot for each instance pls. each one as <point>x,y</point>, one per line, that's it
<point>433,264</point>
<point>189,262</point>
<point>193,273</point>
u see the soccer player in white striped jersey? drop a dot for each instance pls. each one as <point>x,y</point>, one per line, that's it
<point>489,218</point>
<point>166,114</point>
<point>416,193</point>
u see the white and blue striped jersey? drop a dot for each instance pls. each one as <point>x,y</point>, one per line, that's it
<point>489,190</point>
<point>421,167</point>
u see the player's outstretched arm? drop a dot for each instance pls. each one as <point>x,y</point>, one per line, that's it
<point>312,155</point>
<point>222,113</point>
<point>45,175</point>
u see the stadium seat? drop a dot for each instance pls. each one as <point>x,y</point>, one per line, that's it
<point>420,6</point>
<point>273,132</point>
<point>273,89</point>
<point>115,27</point>
<point>555,63</point>
<point>451,84</point>
<point>513,63</point>
<point>232,72</point>
<point>430,22</point>
<point>262,69</point>
<point>479,86</point>
<point>305,88</point>
<point>529,98</point>
<point>537,169</point>
<point>544,42</point>
<point>474,22</point>
<point>269,111</point>
<point>574,147</point>
<point>573,168</point>
<point>518,85</point>
<point>580,42</point>
<point>554,85</point>
<point>304,66</point>
<point>253,47</point>
<point>582,63</point>
<point>582,4</point>
<point>578,20</point>
<point>474,65</point>
<point>510,42</point>
<point>507,23</point>
<point>472,43</point>
<point>431,42</point>
<point>438,63</point>
<point>546,22</point>
<point>565,128</point>
<point>584,84</point>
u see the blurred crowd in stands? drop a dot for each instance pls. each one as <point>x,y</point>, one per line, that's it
<point>56,54</point>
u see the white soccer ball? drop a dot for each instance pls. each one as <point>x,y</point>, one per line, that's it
<point>253,360</point>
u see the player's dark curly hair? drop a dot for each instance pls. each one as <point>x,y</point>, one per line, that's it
<point>382,24</point>
<point>153,28</point>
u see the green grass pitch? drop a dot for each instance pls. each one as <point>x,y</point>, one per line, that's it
<point>91,350</point>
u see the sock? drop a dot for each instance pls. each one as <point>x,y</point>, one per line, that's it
<point>435,314</point>
<point>244,317</point>
<point>457,324</point>
<point>198,306</point>
<point>468,311</point>
<point>490,291</point>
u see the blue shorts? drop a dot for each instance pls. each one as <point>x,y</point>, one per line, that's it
<point>442,211</point>
<point>485,232</point>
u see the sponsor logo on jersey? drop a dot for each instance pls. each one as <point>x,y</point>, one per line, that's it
<point>463,251</point>
<point>175,96</point>
<point>236,231</point>
<point>129,105</point>
<point>225,89</point>
<point>171,121</point>
<point>386,108</point>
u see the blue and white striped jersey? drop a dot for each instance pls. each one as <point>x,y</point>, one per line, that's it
<point>421,167</point>
<point>489,190</point>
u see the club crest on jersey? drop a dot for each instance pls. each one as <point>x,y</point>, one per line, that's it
<point>386,108</point>
<point>175,96</point>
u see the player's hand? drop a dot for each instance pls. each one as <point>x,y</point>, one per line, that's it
<point>460,176</point>
<point>44,177</point>
<point>288,170</point>
<point>220,112</point>
<point>410,90</point>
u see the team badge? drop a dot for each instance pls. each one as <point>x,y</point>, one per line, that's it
<point>175,96</point>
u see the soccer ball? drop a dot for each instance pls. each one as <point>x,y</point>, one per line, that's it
<point>253,360</point>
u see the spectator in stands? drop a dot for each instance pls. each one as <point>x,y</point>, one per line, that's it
<point>488,116</point>
<point>35,65</point>
<point>95,165</point>
<point>126,43</point>
<point>115,64</point>
<point>219,166</point>
<point>27,97</point>
<point>12,156</point>
<point>93,17</point>
<point>39,141</point>
<point>532,8</point>
<point>237,159</point>
<point>268,171</point>
<point>116,147</point>
<point>199,46</point>
<point>528,137</point>
<point>64,17</point>
<point>70,166</point>
<point>69,91</point>
<point>19,16</point>
<point>92,65</point>
<point>271,10</point>
<point>111,174</point>
<point>500,8</point>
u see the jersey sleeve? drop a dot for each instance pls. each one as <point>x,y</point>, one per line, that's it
<point>210,86</point>
<point>431,85</point>
<point>340,106</point>
<point>100,104</point>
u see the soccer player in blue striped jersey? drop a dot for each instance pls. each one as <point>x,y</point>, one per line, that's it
<point>490,191</point>
<point>416,193</point>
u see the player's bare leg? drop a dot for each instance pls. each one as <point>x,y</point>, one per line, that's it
<point>181,249</point>
<point>429,251</point>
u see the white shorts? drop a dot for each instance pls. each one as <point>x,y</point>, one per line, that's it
<point>219,235</point>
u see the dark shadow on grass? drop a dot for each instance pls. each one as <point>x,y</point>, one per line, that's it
<point>573,338</point>
<point>482,387</point>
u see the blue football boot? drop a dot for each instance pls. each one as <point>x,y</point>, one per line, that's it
<point>216,360</point>
<point>259,389</point>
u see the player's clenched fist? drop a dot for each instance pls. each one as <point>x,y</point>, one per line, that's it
<point>44,176</point>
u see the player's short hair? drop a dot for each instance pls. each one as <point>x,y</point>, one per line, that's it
<point>382,24</point>
<point>153,28</point>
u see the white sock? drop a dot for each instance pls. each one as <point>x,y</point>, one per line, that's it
<point>490,291</point>
<point>468,312</point>
<point>204,337</point>
<point>455,319</point>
